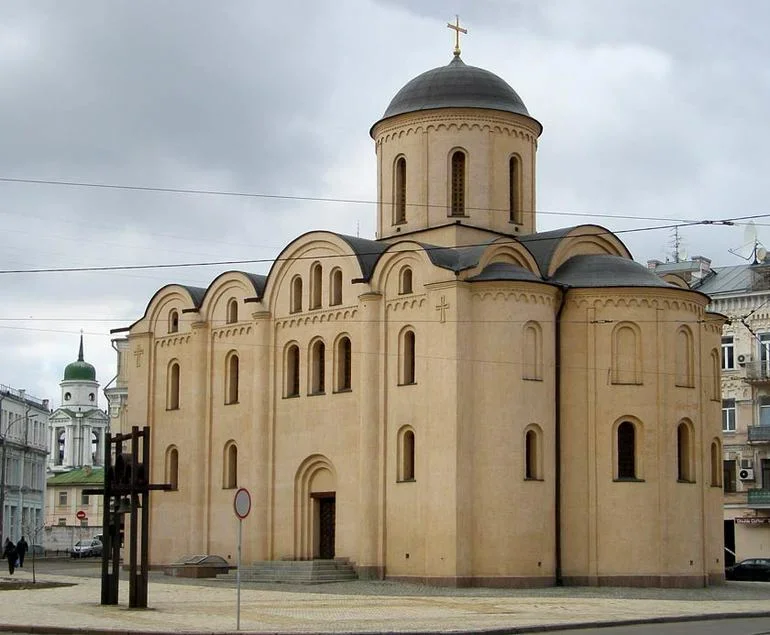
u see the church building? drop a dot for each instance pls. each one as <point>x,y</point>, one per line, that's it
<point>462,400</point>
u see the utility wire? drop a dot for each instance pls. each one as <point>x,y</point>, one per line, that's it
<point>429,248</point>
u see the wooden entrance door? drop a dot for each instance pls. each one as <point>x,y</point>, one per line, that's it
<point>326,513</point>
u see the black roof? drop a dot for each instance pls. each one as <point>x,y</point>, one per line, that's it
<point>604,270</point>
<point>455,85</point>
<point>504,271</point>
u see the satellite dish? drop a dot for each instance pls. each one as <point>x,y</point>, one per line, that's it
<point>761,254</point>
<point>750,234</point>
<point>682,255</point>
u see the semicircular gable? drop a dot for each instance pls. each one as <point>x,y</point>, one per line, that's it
<point>240,283</point>
<point>177,296</point>
<point>677,281</point>
<point>355,255</point>
<point>395,256</point>
<point>586,240</point>
<point>509,251</point>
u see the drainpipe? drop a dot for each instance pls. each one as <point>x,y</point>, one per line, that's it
<point>557,437</point>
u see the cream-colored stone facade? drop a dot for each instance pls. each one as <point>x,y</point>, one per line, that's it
<point>464,401</point>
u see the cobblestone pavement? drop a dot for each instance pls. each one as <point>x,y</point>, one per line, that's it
<point>177,605</point>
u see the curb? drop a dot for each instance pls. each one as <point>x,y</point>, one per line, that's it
<point>540,628</point>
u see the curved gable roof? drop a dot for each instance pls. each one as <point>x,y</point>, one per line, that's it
<point>604,270</point>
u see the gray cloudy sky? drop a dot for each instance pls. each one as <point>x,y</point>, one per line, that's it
<point>651,108</point>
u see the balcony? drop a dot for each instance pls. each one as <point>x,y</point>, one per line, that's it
<point>757,372</point>
<point>759,498</point>
<point>759,434</point>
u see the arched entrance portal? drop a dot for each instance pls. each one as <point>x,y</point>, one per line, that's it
<point>315,489</point>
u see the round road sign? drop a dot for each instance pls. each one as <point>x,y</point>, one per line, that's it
<point>81,515</point>
<point>242,503</point>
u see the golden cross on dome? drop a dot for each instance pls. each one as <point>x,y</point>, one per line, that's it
<point>457,29</point>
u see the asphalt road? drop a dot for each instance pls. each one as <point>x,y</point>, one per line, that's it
<point>740,626</point>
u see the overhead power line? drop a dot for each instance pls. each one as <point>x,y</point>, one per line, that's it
<point>320,199</point>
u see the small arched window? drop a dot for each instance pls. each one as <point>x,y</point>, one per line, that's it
<point>405,455</point>
<point>315,285</point>
<point>232,378</point>
<point>335,287</point>
<point>296,295</point>
<point>716,463</point>
<point>716,376</point>
<point>232,311</point>
<point>626,451</point>
<point>172,389</point>
<point>172,467</point>
<point>399,191</point>
<point>532,455</point>
<point>343,364</point>
<point>230,476</point>
<point>684,447</point>
<point>292,371</point>
<point>514,190</point>
<point>532,353</point>
<point>458,184</point>
<point>626,355</point>
<point>67,396</point>
<point>684,358</point>
<point>408,365</point>
<point>405,281</point>
<point>317,368</point>
<point>173,321</point>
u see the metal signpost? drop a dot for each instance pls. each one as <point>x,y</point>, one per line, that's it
<point>242,506</point>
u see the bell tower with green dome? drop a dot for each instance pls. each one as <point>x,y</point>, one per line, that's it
<point>78,426</point>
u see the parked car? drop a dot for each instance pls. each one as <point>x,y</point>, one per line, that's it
<point>85,548</point>
<point>752,569</point>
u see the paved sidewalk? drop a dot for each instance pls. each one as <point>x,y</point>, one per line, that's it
<point>355,607</point>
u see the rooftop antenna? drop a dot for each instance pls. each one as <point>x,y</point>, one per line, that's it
<point>679,253</point>
<point>358,229</point>
<point>750,246</point>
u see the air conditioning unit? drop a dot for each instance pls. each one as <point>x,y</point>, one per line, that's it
<point>747,464</point>
<point>743,359</point>
<point>746,475</point>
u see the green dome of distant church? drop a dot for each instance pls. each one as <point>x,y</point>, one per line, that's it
<point>80,370</point>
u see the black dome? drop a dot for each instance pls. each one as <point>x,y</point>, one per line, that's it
<point>456,85</point>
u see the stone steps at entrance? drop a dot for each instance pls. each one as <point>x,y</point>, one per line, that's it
<point>295,571</point>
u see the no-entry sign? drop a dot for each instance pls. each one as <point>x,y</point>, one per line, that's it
<point>242,503</point>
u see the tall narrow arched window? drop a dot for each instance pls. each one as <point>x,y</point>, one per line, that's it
<point>172,467</point>
<point>232,378</point>
<point>405,280</point>
<point>626,454</point>
<point>343,364</point>
<point>684,357</point>
<point>172,387</point>
<point>457,192</point>
<point>408,362</point>
<point>173,321</point>
<point>315,285</point>
<point>532,352</point>
<point>716,376</point>
<point>296,295</point>
<point>292,371</point>
<point>399,191</point>
<point>230,475</point>
<point>405,471</point>
<point>514,190</point>
<point>626,354</point>
<point>532,454</point>
<point>684,450</point>
<point>317,368</point>
<point>335,287</point>
<point>716,464</point>
<point>232,311</point>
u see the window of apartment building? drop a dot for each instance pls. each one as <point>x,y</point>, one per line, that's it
<point>764,350</point>
<point>765,464</point>
<point>728,415</point>
<point>728,353</point>
<point>62,498</point>
<point>84,499</point>
<point>62,522</point>
<point>729,470</point>
<point>764,411</point>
